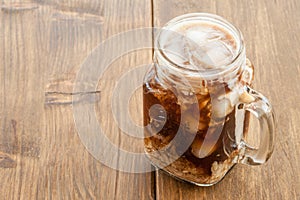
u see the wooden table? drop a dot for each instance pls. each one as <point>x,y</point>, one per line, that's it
<point>43,45</point>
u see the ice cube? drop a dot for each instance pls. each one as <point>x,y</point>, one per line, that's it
<point>200,46</point>
<point>220,108</point>
<point>202,149</point>
<point>174,48</point>
<point>218,54</point>
<point>208,47</point>
<point>201,35</point>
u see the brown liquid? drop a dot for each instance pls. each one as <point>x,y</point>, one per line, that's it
<point>197,167</point>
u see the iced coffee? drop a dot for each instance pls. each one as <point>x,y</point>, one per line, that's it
<point>198,81</point>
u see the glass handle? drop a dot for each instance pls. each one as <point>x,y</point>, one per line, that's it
<point>259,106</point>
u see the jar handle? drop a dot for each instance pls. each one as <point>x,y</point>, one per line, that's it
<point>259,106</point>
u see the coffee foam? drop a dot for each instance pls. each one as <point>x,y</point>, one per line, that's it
<point>198,45</point>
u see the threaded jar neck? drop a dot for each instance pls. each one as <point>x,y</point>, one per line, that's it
<point>173,70</point>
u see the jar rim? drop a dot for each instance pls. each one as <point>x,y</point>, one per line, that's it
<point>204,17</point>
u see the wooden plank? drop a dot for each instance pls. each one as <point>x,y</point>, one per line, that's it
<point>271,31</point>
<point>43,44</point>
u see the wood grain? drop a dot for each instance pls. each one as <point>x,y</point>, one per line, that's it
<point>43,44</point>
<point>271,31</point>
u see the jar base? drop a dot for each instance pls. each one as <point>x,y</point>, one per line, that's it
<point>193,182</point>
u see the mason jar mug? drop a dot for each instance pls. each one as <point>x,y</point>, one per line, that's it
<point>198,99</point>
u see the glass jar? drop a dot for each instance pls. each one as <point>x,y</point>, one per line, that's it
<point>197,101</point>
